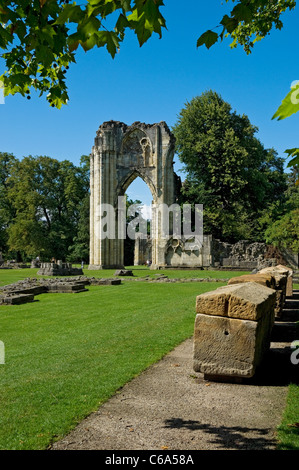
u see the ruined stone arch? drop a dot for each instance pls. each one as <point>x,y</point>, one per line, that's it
<point>119,155</point>
<point>128,180</point>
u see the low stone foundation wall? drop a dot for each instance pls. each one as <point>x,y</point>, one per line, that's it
<point>58,269</point>
<point>24,291</point>
<point>104,282</point>
<point>16,299</point>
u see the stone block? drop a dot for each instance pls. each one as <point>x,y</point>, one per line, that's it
<point>123,272</point>
<point>66,288</point>
<point>16,299</point>
<point>280,275</point>
<point>283,284</point>
<point>247,301</point>
<point>105,282</point>
<point>35,290</point>
<point>274,281</point>
<point>289,286</point>
<point>228,347</point>
<point>232,329</point>
<point>58,269</point>
<point>266,280</point>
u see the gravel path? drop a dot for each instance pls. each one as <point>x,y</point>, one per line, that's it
<point>169,406</point>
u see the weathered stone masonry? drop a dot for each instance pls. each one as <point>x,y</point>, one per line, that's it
<point>233,324</point>
<point>120,154</point>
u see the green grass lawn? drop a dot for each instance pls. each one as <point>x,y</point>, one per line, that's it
<point>66,354</point>
<point>288,431</point>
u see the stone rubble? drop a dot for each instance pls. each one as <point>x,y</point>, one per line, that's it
<point>24,291</point>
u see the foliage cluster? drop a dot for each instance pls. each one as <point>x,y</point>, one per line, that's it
<point>242,186</point>
<point>44,208</point>
<point>39,38</point>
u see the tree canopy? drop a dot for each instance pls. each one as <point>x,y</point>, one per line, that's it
<point>7,211</point>
<point>228,170</point>
<point>283,232</point>
<point>43,207</point>
<point>40,38</point>
<point>249,22</point>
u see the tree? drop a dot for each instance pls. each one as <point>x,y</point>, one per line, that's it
<point>7,211</point>
<point>289,106</point>
<point>79,250</point>
<point>40,37</point>
<point>129,243</point>
<point>249,22</point>
<point>228,170</point>
<point>46,195</point>
<point>283,231</point>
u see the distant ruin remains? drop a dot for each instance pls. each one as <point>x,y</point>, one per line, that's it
<point>58,269</point>
<point>120,154</point>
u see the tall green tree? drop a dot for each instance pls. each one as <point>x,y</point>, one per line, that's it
<point>227,168</point>
<point>283,230</point>
<point>7,211</point>
<point>129,243</point>
<point>79,250</point>
<point>247,23</point>
<point>46,195</point>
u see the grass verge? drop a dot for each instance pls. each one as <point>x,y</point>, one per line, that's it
<point>288,430</point>
<point>65,354</point>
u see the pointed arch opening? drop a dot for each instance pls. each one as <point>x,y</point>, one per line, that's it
<point>139,198</point>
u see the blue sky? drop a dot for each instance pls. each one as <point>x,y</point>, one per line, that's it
<point>153,83</point>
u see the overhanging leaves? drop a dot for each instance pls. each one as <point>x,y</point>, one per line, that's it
<point>208,39</point>
<point>289,105</point>
<point>249,21</point>
<point>39,38</point>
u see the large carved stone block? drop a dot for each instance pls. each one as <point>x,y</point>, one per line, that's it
<point>283,284</point>
<point>266,280</point>
<point>248,301</point>
<point>284,271</point>
<point>232,329</point>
